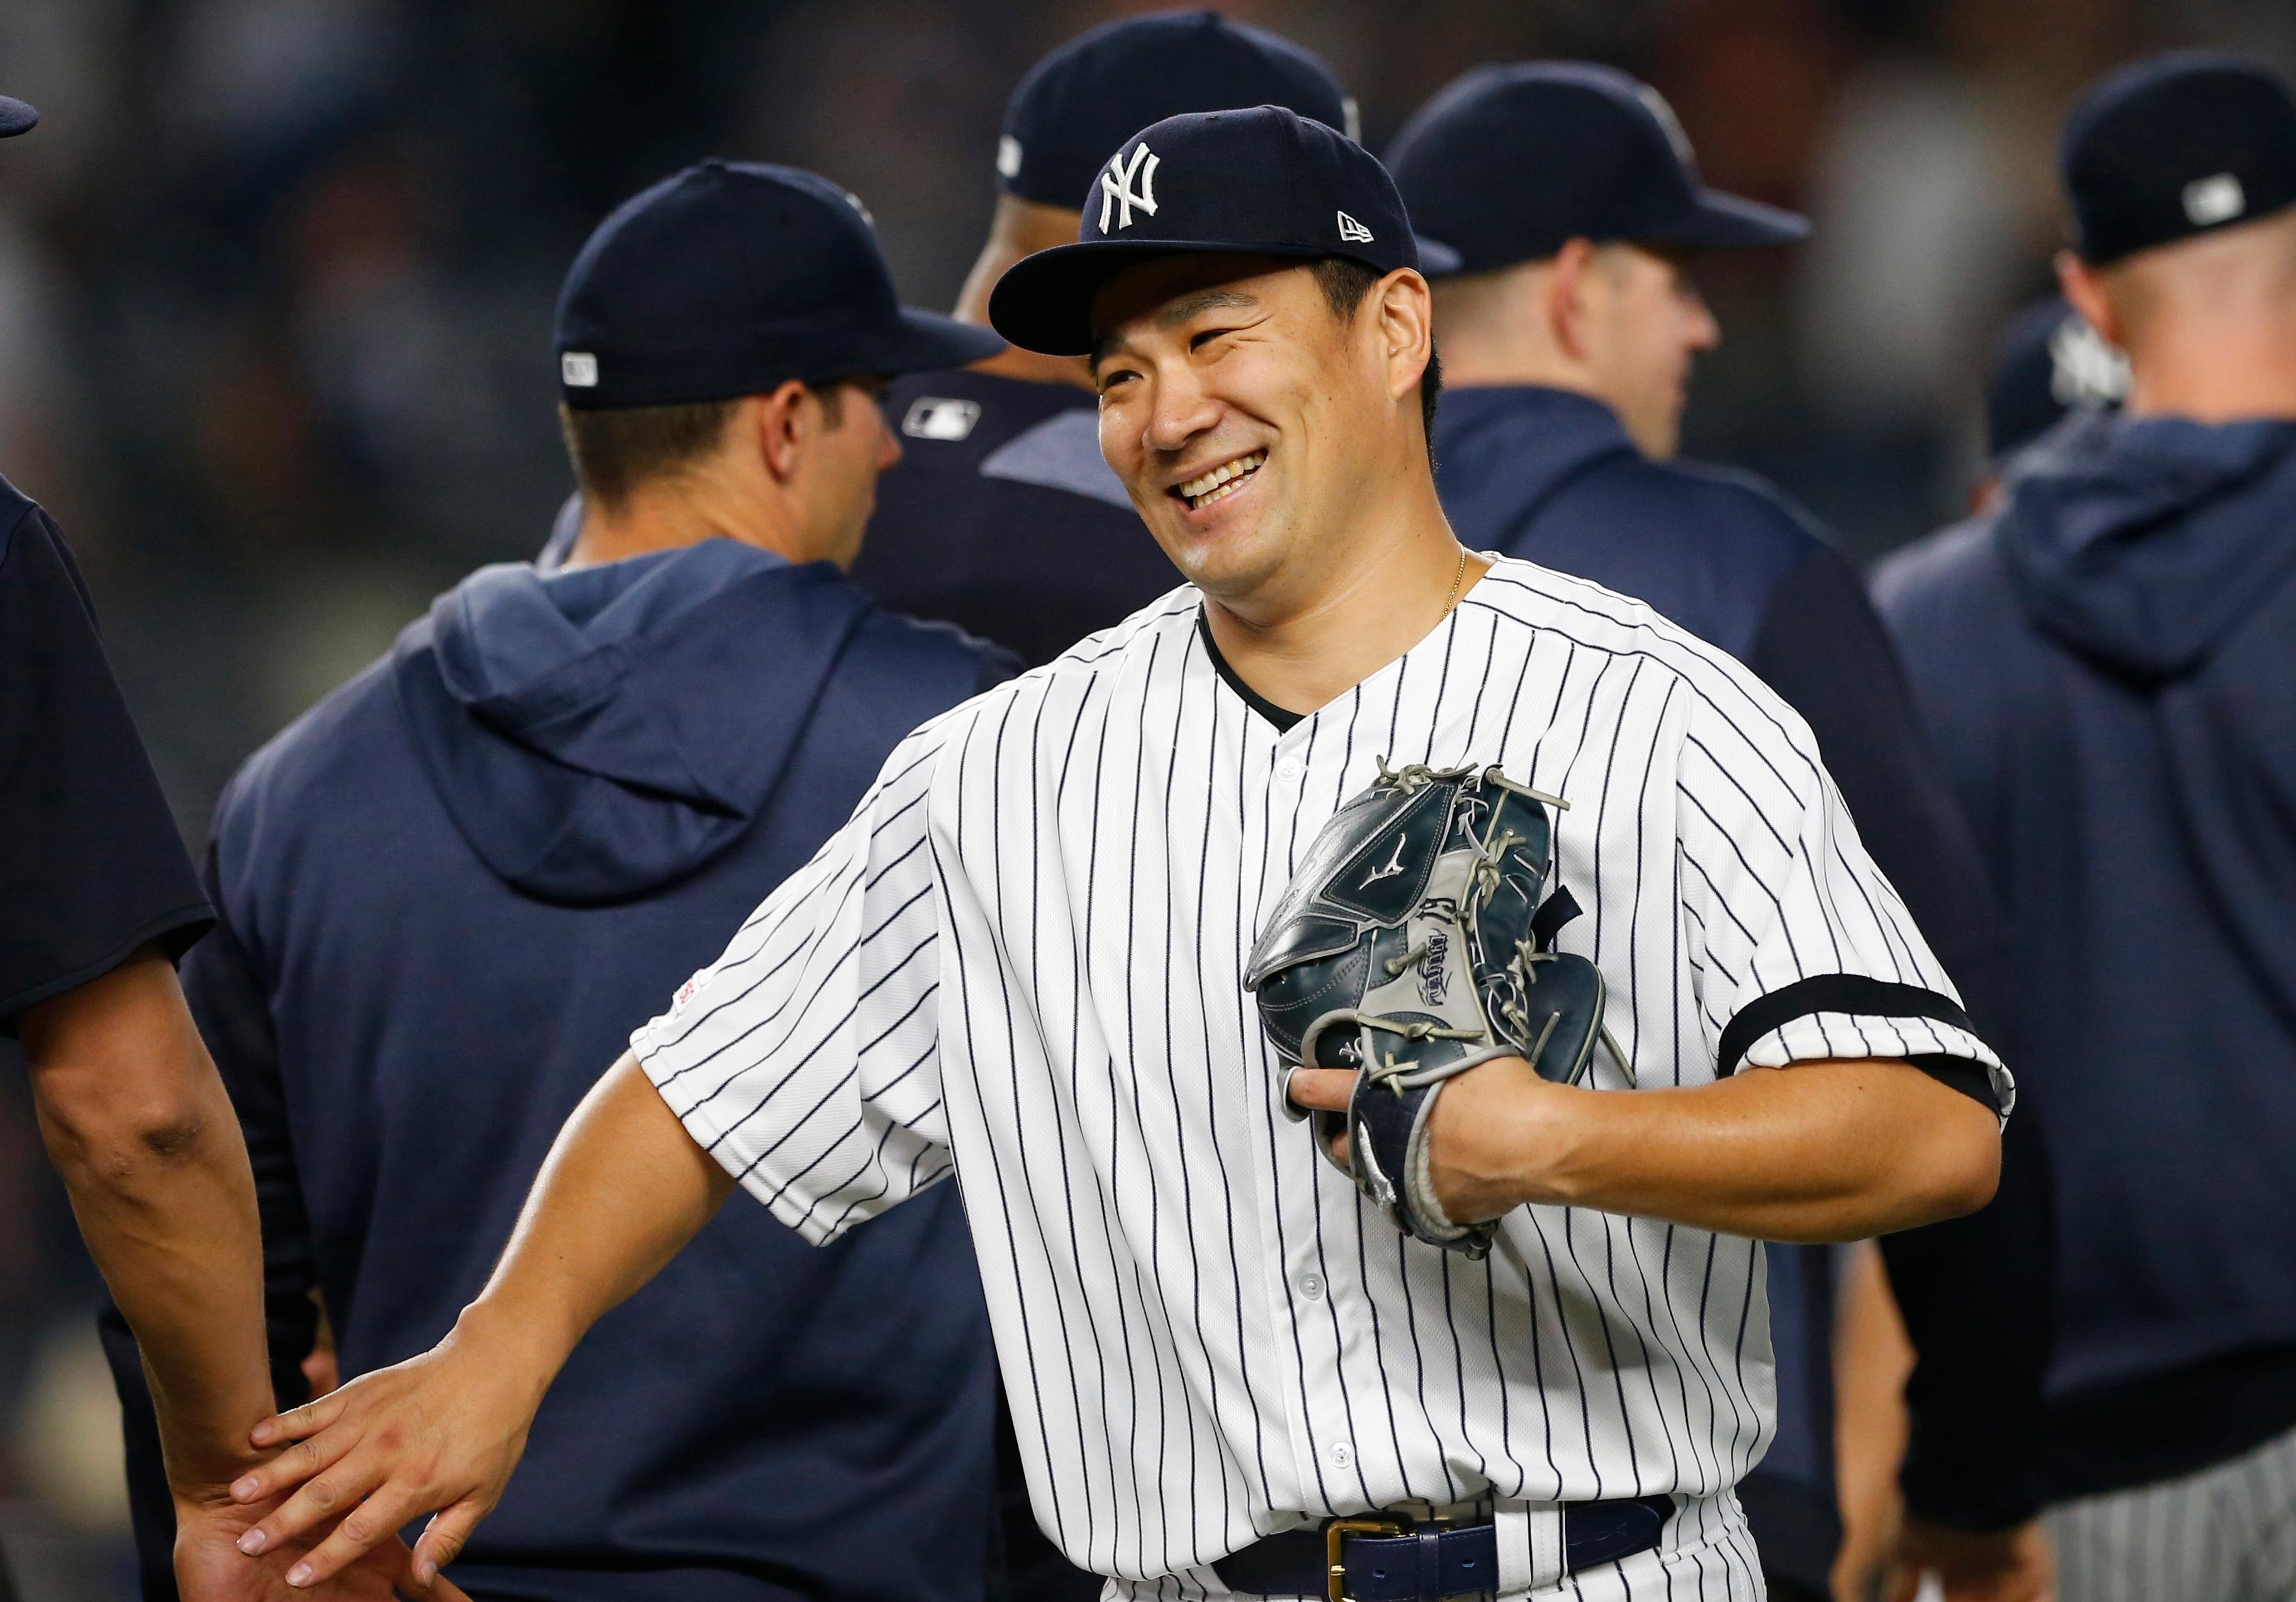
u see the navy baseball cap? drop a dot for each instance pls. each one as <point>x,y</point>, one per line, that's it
<point>1076,104</point>
<point>1262,182</point>
<point>1511,161</point>
<point>15,118</point>
<point>2046,361</point>
<point>2175,146</point>
<point>731,278</point>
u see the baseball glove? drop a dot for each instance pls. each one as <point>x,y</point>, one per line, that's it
<point>1415,942</point>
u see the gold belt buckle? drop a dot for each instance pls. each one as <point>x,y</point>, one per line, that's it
<point>1335,1535</point>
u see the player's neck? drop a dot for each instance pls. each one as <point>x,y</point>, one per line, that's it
<point>1031,367</point>
<point>1350,618</point>
<point>2220,375</point>
<point>668,521</point>
<point>1021,229</point>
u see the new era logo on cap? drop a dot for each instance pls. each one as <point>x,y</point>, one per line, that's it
<point>1126,183</point>
<point>1352,231</point>
<point>578,369</point>
<point>2214,199</point>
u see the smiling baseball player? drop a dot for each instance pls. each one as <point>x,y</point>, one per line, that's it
<point>1523,1342</point>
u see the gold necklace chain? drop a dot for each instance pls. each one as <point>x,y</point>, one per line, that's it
<point>1458,578</point>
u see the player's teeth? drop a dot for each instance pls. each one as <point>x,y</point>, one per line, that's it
<point>1211,486</point>
<point>1197,488</point>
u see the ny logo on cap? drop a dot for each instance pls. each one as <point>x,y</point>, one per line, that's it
<point>2084,371</point>
<point>1352,231</point>
<point>1127,185</point>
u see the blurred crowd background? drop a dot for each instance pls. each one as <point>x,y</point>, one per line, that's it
<point>276,280</point>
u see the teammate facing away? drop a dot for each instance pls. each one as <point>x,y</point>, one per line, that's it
<point>97,900</point>
<point>444,892</point>
<point>2103,653</point>
<point>1568,334</point>
<point>1001,516</point>
<point>1023,956</point>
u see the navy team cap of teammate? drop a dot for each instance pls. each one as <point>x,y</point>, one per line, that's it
<point>1509,162</point>
<point>15,118</point>
<point>1074,105</point>
<point>1261,182</point>
<point>2046,361</point>
<point>732,278</point>
<point>2177,145</point>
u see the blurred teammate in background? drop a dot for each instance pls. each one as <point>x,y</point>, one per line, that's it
<point>97,900</point>
<point>1568,334</point>
<point>1003,516</point>
<point>2105,658</point>
<point>2045,361</point>
<point>446,892</point>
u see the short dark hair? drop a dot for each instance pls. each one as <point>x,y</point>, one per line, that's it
<point>1345,282</point>
<point>616,449</point>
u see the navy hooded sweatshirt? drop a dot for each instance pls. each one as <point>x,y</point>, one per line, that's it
<point>448,893</point>
<point>1551,476</point>
<point>2109,665</point>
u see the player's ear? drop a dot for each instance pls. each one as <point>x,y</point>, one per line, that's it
<point>2084,290</point>
<point>781,425</point>
<point>1405,306</point>
<point>1565,290</point>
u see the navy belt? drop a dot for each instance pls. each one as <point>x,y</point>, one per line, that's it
<point>1387,1558</point>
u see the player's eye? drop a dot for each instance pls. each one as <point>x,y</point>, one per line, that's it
<point>1199,340</point>
<point>1113,376</point>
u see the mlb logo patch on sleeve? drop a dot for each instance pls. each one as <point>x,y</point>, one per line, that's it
<point>934,417</point>
<point>688,991</point>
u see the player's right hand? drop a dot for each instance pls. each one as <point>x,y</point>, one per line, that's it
<point>2016,1564</point>
<point>438,1434</point>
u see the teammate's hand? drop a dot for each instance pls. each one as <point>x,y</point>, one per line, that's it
<point>2003,1565</point>
<point>439,1432</point>
<point>1476,1162</point>
<point>210,1568</point>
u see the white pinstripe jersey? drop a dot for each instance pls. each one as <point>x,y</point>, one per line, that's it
<point>1021,959</point>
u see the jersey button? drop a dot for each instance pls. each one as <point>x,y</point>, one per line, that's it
<point>1311,1285</point>
<point>1287,771</point>
<point>1342,1454</point>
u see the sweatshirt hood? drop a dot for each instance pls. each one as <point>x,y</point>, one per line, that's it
<point>1500,446</point>
<point>2143,542</point>
<point>600,733</point>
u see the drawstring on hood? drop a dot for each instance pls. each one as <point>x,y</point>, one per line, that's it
<point>597,733</point>
<point>2143,542</point>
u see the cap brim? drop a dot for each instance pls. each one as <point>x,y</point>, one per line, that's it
<point>1716,221</point>
<point>1044,302</point>
<point>927,343</point>
<point>15,118</point>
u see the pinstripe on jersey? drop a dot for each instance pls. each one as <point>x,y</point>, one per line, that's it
<point>1022,959</point>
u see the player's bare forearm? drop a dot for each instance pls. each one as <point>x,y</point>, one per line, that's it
<point>624,1187</point>
<point>1825,1151</point>
<point>138,1123</point>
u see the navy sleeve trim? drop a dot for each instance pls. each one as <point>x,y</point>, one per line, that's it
<point>1971,1079</point>
<point>173,933</point>
<point>1855,994</point>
